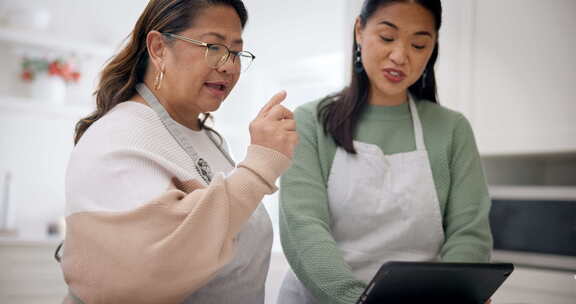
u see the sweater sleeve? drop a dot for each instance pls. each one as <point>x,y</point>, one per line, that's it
<point>305,223</point>
<point>466,219</point>
<point>170,246</point>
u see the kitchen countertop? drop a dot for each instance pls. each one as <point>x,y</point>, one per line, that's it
<point>29,241</point>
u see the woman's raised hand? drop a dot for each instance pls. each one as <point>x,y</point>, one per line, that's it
<point>274,127</point>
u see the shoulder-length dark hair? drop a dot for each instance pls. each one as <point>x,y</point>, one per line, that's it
<point>339,113</point>
<point>119,77</point>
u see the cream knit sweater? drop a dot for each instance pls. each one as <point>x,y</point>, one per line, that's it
<point>144,248</point>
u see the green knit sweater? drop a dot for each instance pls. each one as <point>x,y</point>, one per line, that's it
<point>304,209</point>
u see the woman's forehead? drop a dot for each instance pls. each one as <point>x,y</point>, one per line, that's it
<point>404,16</point>
<point>218,22</point>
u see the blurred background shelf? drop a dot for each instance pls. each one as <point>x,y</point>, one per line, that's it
<point>29,106</point>
<point>56,43</point>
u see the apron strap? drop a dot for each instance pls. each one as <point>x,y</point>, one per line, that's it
<point>418,133</point>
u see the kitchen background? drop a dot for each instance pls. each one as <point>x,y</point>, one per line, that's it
<point>507,65</point>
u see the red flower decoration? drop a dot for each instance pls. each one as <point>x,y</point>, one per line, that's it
<point>57,68</point>
<point>27,75</point>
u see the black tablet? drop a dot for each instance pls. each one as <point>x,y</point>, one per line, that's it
<point>431,282</point>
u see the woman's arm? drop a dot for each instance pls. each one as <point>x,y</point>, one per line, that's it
<point>171,245</point>
<point>305,224</point>
<point>466,218</point>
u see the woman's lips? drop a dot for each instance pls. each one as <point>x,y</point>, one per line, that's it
<point>394,76</point>
<point>217,89</point>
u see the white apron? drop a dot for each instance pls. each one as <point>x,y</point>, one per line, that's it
<point>242,279</point>
<point>383,208</point>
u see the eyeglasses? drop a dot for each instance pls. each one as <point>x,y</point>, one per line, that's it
<point>217,55</point>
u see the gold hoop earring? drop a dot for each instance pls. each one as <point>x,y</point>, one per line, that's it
<point>158,81</point>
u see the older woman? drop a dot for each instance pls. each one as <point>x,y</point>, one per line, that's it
<point>157,211</point>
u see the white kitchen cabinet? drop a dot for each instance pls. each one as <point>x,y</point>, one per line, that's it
<point>524,73</point>
<point>524,76</point>
<point>509,67</point>
<point>29,273</point>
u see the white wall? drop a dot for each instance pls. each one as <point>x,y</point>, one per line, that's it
<point>453,68</point>
<point>36,139</point>
<point>299,48</point>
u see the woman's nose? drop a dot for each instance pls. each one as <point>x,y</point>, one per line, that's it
<point>230,66</point>
<point>398,55</point>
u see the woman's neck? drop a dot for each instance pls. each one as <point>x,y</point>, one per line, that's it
<point>378,98</point>
<point>189,121</point>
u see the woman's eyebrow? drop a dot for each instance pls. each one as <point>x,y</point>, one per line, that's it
<point>423,33</point>
<point>390,24</point>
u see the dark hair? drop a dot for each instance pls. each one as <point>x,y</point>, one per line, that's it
<point>119,77</point>
<point>339,113</point>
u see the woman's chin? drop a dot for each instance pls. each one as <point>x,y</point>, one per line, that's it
<point>213,106</point>
<point>392,90</point>
<point>210,103</point>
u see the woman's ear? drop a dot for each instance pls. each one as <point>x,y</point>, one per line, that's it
<point>358,31</point>
<point>156,46</point>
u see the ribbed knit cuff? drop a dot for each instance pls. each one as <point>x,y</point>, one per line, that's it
<point>468,256</point>
<point>267,163</point>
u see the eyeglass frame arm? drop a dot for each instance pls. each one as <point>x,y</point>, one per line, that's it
<point>208,45</point>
